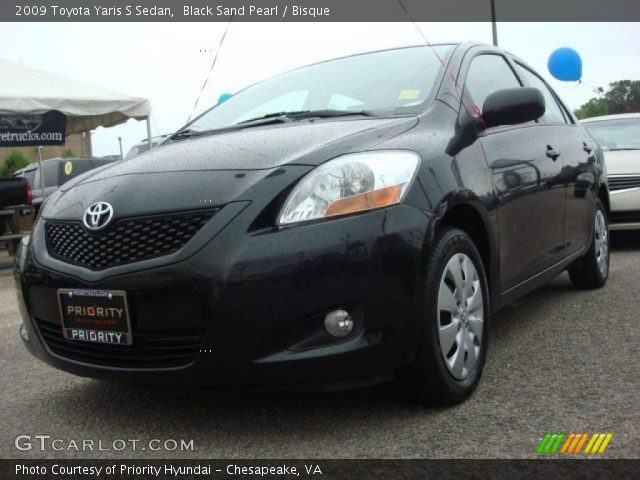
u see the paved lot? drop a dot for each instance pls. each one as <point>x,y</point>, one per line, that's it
<point>560,360</point>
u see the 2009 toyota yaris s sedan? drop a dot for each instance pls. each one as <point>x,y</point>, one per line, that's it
<point>349,222</point>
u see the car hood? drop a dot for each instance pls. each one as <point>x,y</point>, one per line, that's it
<point>622,162</point>
<point>253,165</point>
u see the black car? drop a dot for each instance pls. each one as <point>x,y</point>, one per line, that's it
<point>345,223</point>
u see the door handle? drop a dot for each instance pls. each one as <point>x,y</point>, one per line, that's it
<point>552,154</point>
<point>586,147</point>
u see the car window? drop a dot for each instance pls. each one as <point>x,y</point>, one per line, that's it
<point>386,83</point>
<point>487,74</point>
<point>72,168</point>
<point>289,102</point>
<point>553,113</point>
<point>616,134</point>
<point>51,173</point>
<point>30,176</point>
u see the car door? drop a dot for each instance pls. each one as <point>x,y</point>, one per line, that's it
<point>577,152</point>
<point>529,192</point>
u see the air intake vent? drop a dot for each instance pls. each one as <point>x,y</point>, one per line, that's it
<point>147,351</point>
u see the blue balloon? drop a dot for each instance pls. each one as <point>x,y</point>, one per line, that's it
<point>565,64</point>
<point>223,97</point>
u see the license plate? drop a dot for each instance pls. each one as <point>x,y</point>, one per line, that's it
<point>99,316</point>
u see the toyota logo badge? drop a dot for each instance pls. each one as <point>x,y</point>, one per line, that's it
<point>97,216</point>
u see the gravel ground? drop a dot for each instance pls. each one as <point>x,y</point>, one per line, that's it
<point>560,360</point>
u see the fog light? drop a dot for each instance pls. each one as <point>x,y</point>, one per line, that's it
<point>338,323</point>
<point>23,333</point>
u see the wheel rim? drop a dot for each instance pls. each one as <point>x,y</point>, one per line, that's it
<point>601,242</point>
<point>460,316</point>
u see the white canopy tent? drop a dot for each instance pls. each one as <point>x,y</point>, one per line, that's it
<point>27,91</point>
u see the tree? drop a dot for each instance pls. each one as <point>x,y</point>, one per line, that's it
<point>14,161</point>
<point>623,96</point>
<point>68,153</point>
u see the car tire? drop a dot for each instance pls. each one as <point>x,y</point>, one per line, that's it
<point>454,324</point>
<point>592,270</point>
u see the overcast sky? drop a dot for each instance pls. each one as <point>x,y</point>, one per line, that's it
<point>168,62</point>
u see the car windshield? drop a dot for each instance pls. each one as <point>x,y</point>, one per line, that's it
<point>620,134</point>
<point>383,83</point>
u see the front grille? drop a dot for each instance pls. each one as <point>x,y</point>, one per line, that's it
<point>126,241</point>
<point>147,350</point>
<point>621,182</point>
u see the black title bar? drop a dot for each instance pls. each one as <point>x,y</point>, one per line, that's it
<point>318,10</point>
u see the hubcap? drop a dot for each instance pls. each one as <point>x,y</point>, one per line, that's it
<point>460,316</point>
<point>601,242</point>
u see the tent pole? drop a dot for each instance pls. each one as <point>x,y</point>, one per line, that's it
<point>39,157</point>
<point>149,130</point>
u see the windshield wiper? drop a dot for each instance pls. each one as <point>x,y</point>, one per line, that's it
<point>276,117</point>
<point>619,149</point>
<point>182,134</point>
<point>300,114</point>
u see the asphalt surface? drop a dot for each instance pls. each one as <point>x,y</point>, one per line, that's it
<point>560,360</point>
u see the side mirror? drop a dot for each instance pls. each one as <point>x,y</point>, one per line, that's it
<point>512,106</point>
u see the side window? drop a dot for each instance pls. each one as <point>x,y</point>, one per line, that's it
<point>51,174</point>
<point>487,74</point>
<point>553,114</point>
<point>30,175</point>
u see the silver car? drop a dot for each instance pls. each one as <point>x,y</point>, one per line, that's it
<point>619,137</point>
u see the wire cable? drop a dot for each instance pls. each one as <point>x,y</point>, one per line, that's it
<point>213,64</point>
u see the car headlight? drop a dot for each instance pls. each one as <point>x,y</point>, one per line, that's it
<point>351,183</point>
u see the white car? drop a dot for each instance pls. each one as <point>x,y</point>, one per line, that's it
<point>619,137</point>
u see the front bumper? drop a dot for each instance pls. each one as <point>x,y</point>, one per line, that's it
<point>247,308</point>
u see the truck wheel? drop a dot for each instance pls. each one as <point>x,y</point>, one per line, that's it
<point>592,270</point>
<point>453,344</point>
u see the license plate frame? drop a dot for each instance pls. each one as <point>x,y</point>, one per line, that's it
<point>97,316</point>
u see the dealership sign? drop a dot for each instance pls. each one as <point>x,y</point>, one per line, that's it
<point>42,129</point>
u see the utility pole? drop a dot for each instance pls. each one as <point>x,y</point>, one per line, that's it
<point>494,26</point>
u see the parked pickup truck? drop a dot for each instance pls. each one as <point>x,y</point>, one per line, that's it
<point>14,191</point>
<point>57,171</point>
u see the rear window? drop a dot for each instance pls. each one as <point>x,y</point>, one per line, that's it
<point>30,177</point>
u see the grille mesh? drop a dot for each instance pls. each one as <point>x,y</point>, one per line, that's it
<point>624,181</point>
<point>126,241</point>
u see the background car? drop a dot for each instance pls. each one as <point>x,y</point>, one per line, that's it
<point>57,171</point>
<point>619,137</point>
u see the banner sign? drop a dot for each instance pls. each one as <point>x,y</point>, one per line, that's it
<point>42,129</point>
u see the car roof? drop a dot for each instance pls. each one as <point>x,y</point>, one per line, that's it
<point>618,116</point>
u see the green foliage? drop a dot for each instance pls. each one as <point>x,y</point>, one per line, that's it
<point>68,153</point>
<point>14,161</point>
<point>623,96</point>
<point>593,108</point>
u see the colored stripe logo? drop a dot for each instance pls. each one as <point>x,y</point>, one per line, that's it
<point>573,443</point>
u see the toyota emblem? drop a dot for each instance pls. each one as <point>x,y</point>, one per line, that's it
<point>97,216</point>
